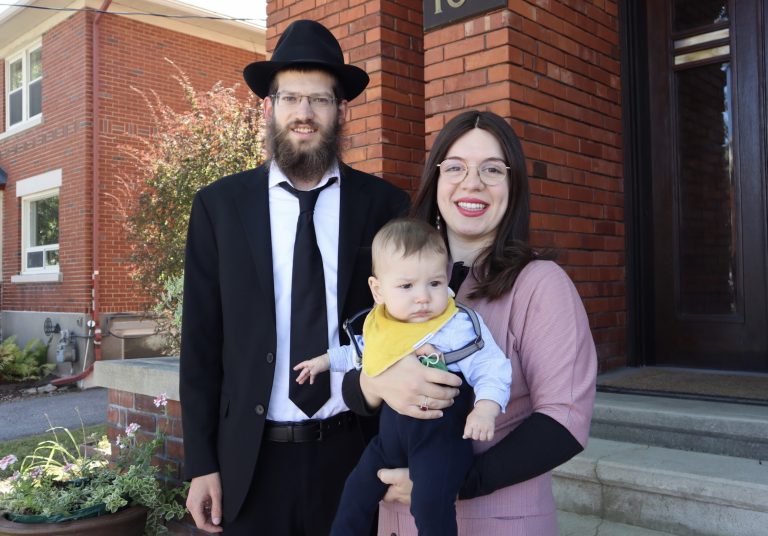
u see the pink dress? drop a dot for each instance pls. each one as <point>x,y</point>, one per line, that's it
<point>543,328</point>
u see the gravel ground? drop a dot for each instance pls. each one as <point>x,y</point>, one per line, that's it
<point>25,415</point>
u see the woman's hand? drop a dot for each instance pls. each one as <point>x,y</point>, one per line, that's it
<point>412,389</point>
<point>400,485</point>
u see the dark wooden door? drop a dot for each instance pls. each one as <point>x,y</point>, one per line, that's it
<point>707,95</point>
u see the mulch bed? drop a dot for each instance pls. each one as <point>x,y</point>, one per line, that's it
<point>10,391</point>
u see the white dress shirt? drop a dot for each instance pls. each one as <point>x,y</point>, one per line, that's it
<point>283,215</point>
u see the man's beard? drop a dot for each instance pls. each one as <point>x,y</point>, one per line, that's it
<point>299,163</point>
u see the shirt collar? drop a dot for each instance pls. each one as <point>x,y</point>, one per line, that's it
<point>276,175</point>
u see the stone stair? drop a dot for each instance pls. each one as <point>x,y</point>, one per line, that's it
<point>673,466</point>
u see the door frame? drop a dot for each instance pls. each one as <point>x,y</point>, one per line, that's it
<point>638,201</point>
<point>637,192</point>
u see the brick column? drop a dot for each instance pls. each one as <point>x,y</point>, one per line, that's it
<point>551,69</point>
<point>385,128</point>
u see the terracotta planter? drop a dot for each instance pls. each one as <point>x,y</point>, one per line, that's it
<point>128,522</point>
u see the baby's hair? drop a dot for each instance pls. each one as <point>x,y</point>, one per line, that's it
<point>407,236</point>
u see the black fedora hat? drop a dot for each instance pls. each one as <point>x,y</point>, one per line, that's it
<point>306,42</point>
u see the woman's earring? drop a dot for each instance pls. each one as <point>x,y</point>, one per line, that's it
<point>437,221</point>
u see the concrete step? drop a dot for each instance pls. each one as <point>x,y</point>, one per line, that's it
<point>667,490</point>
<point>577,525</point>
<point>715,427</point>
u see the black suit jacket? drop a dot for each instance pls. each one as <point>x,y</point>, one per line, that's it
<point>228,329</point>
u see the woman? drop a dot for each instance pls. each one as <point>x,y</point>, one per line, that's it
<point>475,189</point>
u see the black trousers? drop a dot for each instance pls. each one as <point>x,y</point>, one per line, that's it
<point>437,458</point>
<point>296,486</point>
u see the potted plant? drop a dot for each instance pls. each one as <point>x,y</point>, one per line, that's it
<point>62,488</point>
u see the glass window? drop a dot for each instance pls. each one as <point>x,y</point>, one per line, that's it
<point>690,14</point>
<point>16,75</point>
<point>24,96</point>
<point>41,232</point>
<point>36,64</point>
<point>706,206</point>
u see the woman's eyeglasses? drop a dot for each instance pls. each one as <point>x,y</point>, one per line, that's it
<point>492,172</point>
<point>293,100</point>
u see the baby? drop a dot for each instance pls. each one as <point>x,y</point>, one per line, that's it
<point>414,306</point>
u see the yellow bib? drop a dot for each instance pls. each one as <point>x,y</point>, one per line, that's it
<point>387,340</point>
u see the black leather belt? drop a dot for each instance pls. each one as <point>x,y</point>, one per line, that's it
<point>307,431</point>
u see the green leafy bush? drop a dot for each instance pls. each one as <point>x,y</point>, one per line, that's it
<point>28,363</point>
<point>217,135</point>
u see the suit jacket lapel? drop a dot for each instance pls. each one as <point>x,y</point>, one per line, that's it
<point>354,207</point>
<point>253,207</point>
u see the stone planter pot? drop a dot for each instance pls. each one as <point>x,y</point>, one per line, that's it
<point>128,522</point>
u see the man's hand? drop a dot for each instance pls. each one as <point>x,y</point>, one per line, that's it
<point>204,502</point>
<point>481,421</point>
<point>400,485</point>
<point>407,386</point>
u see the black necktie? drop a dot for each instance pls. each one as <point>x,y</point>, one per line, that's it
<point>309,317</point>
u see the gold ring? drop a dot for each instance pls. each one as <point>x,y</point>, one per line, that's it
<point>424,405</point>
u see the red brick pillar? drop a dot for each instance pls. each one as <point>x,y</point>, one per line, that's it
<point>552,69</point>
<point>385,128</point>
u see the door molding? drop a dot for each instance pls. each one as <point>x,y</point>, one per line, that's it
<point>637,184</point>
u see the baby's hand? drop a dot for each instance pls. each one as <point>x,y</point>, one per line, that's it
<point>426,349</point>
<point>312,367</point>
<point>481,421</point>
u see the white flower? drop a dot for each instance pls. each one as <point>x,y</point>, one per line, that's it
<point>131,429</point>
<point>161,401</point>
<point>7,461</point>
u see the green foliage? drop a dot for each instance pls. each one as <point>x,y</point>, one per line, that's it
<point>216,136</point>
<point>61,481</point>
<point>168,308</point>
<point>28,363</point>
<point>46,221</point>
<point>24,446</point>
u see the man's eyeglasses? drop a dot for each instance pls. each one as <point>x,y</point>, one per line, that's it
<point>293,100</point>
<point>492,172</point>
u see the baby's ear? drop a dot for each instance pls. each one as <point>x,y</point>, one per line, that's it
<point>374,284</point>
<point>451,293</point>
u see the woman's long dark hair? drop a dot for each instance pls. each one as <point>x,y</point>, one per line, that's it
<point>497,267</point>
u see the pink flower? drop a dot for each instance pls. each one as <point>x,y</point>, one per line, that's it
<point>15,476</point>
<point>7,461</point>
<point>35,472</point>
<point>161,401</point>
<point>131,429</point>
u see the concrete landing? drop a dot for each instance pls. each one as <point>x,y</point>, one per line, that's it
<point>715,427</point>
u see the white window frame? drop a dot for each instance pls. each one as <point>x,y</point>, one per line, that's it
<point>39,187</point>
<point>26,120</point>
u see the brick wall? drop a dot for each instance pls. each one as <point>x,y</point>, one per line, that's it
<point>385,129</point>
<point>552,69</point>
<point>61,141</point>
<point>124,115</point>
<point>132,55</point>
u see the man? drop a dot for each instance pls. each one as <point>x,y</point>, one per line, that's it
<point>263,460</point>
